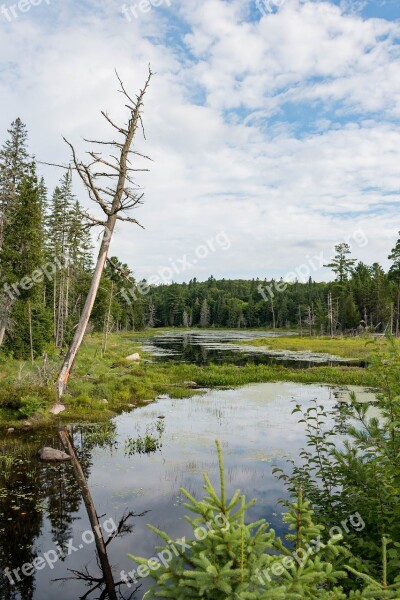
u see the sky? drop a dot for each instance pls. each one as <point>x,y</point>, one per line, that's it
<point>273,125</point>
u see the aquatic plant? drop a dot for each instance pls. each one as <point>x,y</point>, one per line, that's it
<point>229,559</point>
<point>147,444</point>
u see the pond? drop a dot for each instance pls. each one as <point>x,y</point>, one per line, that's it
<point>40,504</point>
<point>205,347</point>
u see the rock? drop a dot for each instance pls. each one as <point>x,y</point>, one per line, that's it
<point>162,397</point>
<point>131,405</point>
<point>133,357</point>
<point>52,455</point>
<point>57,409</point>
<point>191,384</point>
<point>10,430</point>
<point>104,401</point>
<point>27,424</point>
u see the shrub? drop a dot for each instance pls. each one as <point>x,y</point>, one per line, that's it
<point>30,405</point>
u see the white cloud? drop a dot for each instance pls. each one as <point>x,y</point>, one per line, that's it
<point>281,189</point>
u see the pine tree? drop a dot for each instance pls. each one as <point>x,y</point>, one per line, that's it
<point>394,274</point>
<point>22,258</point>
<point>341,265</point>
<point>228,559</point>
<point>14,165</point>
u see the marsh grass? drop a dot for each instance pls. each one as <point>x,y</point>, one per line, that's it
<point>345,347</point>
<point>102,387</point>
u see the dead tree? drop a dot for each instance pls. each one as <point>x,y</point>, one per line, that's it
<point>105,583</point>
<point>114,200</point>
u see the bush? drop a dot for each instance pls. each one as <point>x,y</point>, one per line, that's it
<point>11,395</point>
<point>31,405</point>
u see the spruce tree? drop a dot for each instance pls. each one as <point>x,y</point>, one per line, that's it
<point>394,275</point>
<point>22,257</point>
<point>14,165</point>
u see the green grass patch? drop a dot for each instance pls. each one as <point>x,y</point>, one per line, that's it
<point>345,347</point>
<point>101,387</point>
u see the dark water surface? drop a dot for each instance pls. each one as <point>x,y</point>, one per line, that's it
<point>41,506</point>
<point>205,347</point>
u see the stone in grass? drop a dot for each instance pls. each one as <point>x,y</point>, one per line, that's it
<point>57,409</point>
<point>133,357</point>
<point>191,384</point>
<point>53,455</point>
<point>10,430</point>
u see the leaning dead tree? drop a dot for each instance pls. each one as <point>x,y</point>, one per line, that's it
<point>104,583</point>
<point>109,183</point>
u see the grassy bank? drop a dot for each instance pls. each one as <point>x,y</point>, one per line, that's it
<point>350,347</point>
<point>104,386</point>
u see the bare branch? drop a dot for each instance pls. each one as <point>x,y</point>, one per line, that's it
<point>119,129</point>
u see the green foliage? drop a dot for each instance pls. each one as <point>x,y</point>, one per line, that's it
<point>11,395</point>
<point>341,265</point>
<point>229,559</point>
<point>29,405</point>
<point>147,444</point>
<point>362,471</point>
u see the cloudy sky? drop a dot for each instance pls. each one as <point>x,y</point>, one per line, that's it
<point>272,123</point>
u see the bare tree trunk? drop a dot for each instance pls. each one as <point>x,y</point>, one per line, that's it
<point>92,514</point>
<point>30,332</point>
<point>300,322</point>
<point>87,310</point>
<point>60,314</point>
<point>55,307</point>
<point>330,314</point>
<point>66,311</point>
<point>122,199</point>
<point>107,321</point>
<point>9,303</point>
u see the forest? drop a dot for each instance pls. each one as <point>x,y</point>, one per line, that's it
<point>47,265</point>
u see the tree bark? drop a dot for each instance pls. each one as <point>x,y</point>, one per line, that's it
<point>9,303</point>
<point>112,209</point>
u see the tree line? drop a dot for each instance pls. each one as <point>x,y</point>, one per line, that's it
<point>46,269</point>
<point>362,297</point>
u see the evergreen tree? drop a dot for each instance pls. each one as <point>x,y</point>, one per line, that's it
<point>21,261</point>
<point>394,275</point>
<point>14,165</point>
<point>341,265</point>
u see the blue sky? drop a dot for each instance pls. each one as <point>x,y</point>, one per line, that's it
<point>276,122</point>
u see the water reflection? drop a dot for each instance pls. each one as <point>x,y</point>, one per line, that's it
<point>40,505</point>
<point>205,347</point>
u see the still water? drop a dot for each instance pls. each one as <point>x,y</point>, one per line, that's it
<point>40,505</point>
<point>205,347</point>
